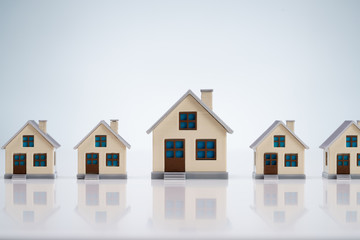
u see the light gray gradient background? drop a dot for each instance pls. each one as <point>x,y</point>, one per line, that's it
<point>75,63</point>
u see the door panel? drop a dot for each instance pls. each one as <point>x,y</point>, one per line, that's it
<point>19,164</point>
<point>343,163</point>
<point>174,155</point>
<point>92,163</point>
<point>270,163</point>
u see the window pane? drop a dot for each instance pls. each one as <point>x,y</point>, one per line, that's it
<point>31,144</point>
<point>282,138</point>
<point>348,144</point>
<point>37,163</point>
<point>25,144</point>
<point>347,138</point>
<point>282,144</point>
<point>179,154</point>
<point>103,138</point>
<point>169,144</point>
<point>179,144</point>
<point>169,154</point>
<point>24,138</point>
<point>116,163</point>
<point>358,163</point>
<point>16,163</point>
<point>103,144</point>
<point>346,163</point>
<point>94,161</point>
<point>276,144</point>
<point>339,163</point>
<point>293,157</point>
<point>201,154</point>
<point>183,125</point>
<point>88,162</point>
<point>276,139</point>
<point>354,144</point>
<point>109,163</point>
<point>201,144</point>
<point>42,157</point>
<point>36,156</point>
<point>16,157</point>
<point>183,116</point>
<point>287,163</point>
<point>97,144</point>
<point>339,157</point>
<point>346,157</point>
<point>287,157</point>
<point>22,157</point>
<point>358,156</point>
<point>273,156</point>
<point>97,138</point>
<point>108,156</point>
<point>273,162</point>
<point>293,164</point>
<point>43,163</point>
<point>22,163</point>
<point>267,162</point>
<point>31,138</point>
<point>210,154</point>
<point>354,138</point>
<point>191,125</point>
<point>94,156</point>
<point>115,156</point>
<point>210,145</point>
<point>192,116</point>
<point>267,156</point>
<point>88,155</point>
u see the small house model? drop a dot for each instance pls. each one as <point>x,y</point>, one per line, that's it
<point>342,152</point>
<point>189,140</point>
<point>279,153</point>
<point>30,153</point>
<point>102,153</point>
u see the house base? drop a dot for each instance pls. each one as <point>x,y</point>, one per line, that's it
<point>281,176</point>
<point>105,176</point>
<point>334,176</point>
<point>31,176</point>
<point>195,175</point>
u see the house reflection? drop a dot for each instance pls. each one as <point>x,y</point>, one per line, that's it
<point>279,203</point>
<point>30,201</point>
<point>341,201</point>
<point>190,205</point>
<point>102,203</point>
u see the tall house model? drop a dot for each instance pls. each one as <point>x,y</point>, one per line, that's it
<point>30,153</point>
<point>279,153</point>
<point>342,152</point>
<point>102,153</point>
<point>189,140</point>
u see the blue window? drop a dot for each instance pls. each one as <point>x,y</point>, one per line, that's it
<point>273,156</point>
<point>187,120</point>
<point>279,141</point>
<point>28,141</point>
<point>206,149</point>
<point>16,157</point>
<point>16,163</point>
<point>267,162</point>
<point>267,156</point>
<point>22,163</point>
<point>100,141</point>
<point>40,160</point>
<point>351,141</point>
<point>291,160</point>
<point>273,162</point>
<point>174,148</point>
<point>358,159</point>
<point>112,159</point>
<point>92,158</point>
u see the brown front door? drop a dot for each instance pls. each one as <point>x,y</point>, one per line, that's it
<point>19,164</point>
<point>343,164</point>
<point>270,163</point>
<point>92,163</point>
<point>174,155</point>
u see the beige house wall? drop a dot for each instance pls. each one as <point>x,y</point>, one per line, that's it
<point>41,211</point>
<point>113,145</point>
<point>41,145</point>
<point>113,211</point>
<point>207,128</point>
<point>292,146</point>
<point>339,147</point>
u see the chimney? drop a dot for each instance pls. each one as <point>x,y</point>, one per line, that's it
<point>290,124</point>
<point>358,123</point>
<point>206,97</point>
<point>42,125</point>
<point>114,124</point>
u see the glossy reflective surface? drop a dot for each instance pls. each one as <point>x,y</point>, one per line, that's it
<point>141,209</point>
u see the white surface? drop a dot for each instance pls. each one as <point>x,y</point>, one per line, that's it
<point>308,217</point>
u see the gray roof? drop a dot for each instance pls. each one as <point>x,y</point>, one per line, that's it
<point>102,122</point>
<point>52,141</point>
<point>338,132</point>
<point>270,129</point>
<point>189,92</point>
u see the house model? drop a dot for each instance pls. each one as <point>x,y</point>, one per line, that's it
<point>342,152</point>
<point>189,140</point>
<point>30,153</point>
<point>279,152</point>
<point>102,153</point>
